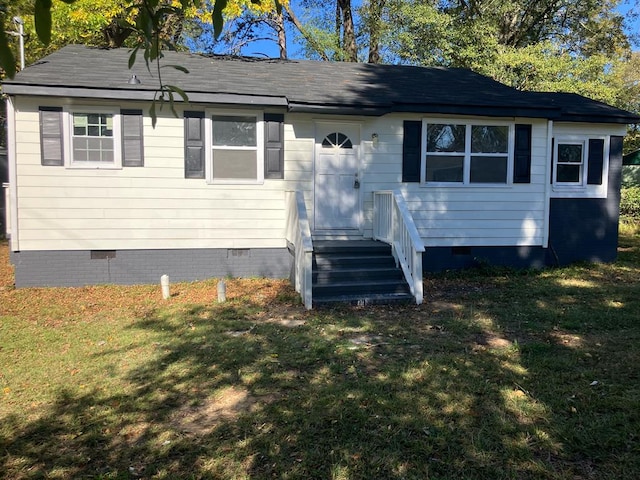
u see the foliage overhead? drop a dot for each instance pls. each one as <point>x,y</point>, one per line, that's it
<point>551,45</point>
<point>147,25</point>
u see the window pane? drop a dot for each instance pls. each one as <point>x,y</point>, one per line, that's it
<point>93,150</point>
<point>488,169</point>
<point>445,138</point>
<point>93,125</point>
<point>444,169</point>
<point>336,140</point>
<point>234,131</point>
<point>230,164</point>
<point>568,173</point>
<point>568,153</point>
<point>489,139</point>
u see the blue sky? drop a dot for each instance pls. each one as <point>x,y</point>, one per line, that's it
<point>270,49</point>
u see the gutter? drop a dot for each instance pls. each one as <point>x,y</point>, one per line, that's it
<point>141,95</point>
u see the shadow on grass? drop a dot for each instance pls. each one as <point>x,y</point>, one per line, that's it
<point>492,378</point>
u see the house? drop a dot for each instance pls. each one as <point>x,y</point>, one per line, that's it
<point>631,169</point>
<point>273,164</point>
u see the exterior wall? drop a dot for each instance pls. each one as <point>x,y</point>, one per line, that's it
<point>437,259</point>
<point>150,207</point>
<point>149,214</point>
<point>586,229</point>
<point>510,215</point>
<point>77,268</point>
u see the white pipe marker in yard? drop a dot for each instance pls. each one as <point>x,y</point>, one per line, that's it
<point>222,291</point>
<point>164,283</point>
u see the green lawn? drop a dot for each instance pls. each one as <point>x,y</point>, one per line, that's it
<point>500,374</point>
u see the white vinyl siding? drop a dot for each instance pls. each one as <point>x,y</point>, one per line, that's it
<point>138,208</point>
<point>460,214</point>
<point>156,207</point>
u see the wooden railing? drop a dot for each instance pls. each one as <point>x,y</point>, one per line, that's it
<point>298,233</point>
<point>393,224</point>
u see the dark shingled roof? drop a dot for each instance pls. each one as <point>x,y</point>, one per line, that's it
<point>300,85</point>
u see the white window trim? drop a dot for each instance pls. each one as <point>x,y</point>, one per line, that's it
<point>67,125</point>
<point>466,173</point>
<point>259,148</point>
<point>572,140</point>
<point>582,190</point>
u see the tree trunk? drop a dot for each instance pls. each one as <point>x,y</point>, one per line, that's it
<point>278,22</point>
<point>115,34</point>
<point>375,29</point>
<point>348,32</point>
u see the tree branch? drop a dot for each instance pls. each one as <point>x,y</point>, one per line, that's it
<point>307,36</point>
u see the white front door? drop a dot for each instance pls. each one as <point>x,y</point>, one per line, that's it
<point>336,182</point>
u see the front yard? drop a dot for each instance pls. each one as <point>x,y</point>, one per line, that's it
<point>500,374</point>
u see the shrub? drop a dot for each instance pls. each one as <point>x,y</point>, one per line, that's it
<point>630,202</point>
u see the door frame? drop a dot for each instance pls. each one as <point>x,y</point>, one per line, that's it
<point>358,126</point>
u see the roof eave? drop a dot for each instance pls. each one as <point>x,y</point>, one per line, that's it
<point>140,95</point>
<point>621,119</point>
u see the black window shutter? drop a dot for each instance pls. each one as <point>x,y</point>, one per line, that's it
<point>273,145</point>
<point>411,153</point>
<point>595,162</point>
<point>132,138</point>
<point>194,144</point>
<point>522,155</point>
<point>51,136</point>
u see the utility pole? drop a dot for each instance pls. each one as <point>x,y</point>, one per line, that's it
<point>20,33</point>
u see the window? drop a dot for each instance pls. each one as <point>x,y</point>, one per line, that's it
<point>336,140</point>
<point>236,148</point>
<point>467,153</point>
<point>579,163</point>
<point>93,137</point>
<point>570,163</point>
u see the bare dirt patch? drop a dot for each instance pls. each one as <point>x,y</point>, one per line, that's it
<point>491,341</point>
<point>226,405</point>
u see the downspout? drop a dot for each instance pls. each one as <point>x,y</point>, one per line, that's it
<point>13,177</point>
<point>547,185</point>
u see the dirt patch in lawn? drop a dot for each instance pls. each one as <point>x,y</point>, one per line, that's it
<point>226,405</point>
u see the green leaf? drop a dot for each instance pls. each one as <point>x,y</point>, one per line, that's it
<point>177,67</point>
<point>179,91</point>
<point>153,114</point>
<point>7,60</point>
<point>218,19</point>
<point>132,57</point>
<point>42,15</point>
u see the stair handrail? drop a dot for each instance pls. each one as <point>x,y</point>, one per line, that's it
<point>298,233</point>
<point>393,224</point>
